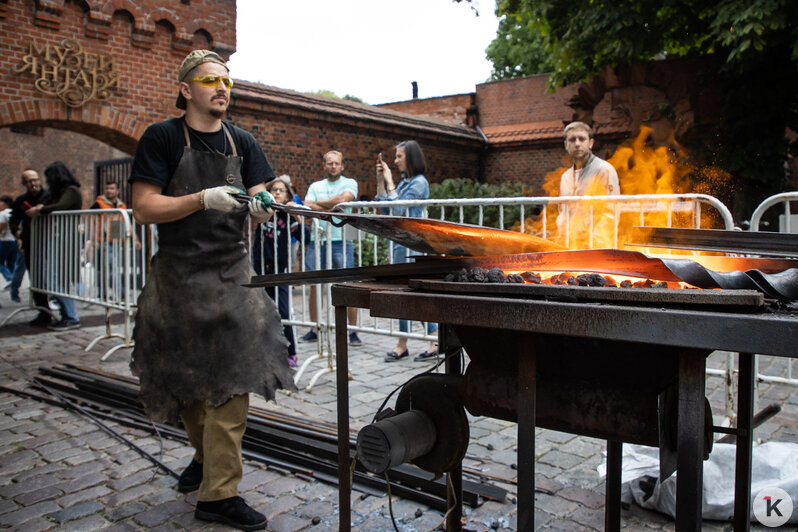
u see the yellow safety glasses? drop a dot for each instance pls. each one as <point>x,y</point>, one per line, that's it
<point>212,81</point>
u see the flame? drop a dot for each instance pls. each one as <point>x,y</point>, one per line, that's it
<point>643,168</point>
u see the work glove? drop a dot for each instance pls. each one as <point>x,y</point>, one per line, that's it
<point>259,206</point>
<point>220,199</point>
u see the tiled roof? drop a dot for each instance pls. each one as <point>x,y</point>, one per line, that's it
<point>348,109</point>
<point>549,130</point>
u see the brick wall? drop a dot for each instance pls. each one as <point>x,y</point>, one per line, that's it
<point>147,38</point>
<point>523,100</point>
<point>455,109</point>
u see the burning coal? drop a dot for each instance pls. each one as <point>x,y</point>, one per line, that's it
<point>497,275</point>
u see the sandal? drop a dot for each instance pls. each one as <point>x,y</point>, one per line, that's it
<point>393,356</point>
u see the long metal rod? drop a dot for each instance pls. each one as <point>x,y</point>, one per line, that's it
<point>782,244</point>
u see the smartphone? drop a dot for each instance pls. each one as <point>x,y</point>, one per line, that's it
<point>26,206</point>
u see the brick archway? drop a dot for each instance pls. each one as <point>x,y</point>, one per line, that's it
<point>107,124</point>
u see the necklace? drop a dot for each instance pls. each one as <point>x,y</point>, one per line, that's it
<point>224,137</point>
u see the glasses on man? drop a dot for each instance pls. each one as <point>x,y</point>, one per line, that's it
<point>212,81</point>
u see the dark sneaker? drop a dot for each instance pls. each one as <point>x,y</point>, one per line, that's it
<point>191,477</point>
<point>310,336</point>
<point>16,299</point>
<point>42,319</point>
<point>233,511</point>
<point>64,325</point>
<point>354,339</point>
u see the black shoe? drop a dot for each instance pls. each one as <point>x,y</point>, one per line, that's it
<point>354,339</point>
<point>191,477</point>
<point>310,336</point>
<point>233,511</point>
<point>64,325</point>
<point>426,355</point>
<point>41,319</point>
<point>393,356</point>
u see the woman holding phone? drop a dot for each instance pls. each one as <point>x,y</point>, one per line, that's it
<point>413,185</point>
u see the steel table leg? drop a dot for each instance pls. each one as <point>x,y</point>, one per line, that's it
<point>690,442</point>
<point>342,385</point>
<point>745,440</point>
<point>454,495</point>
<point>612,500</point>
<point>527,382</point>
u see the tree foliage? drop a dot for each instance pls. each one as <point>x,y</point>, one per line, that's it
<point>582,36</point>
<point>331,94</point>
<point>517,50</point>
<point>748,50</point>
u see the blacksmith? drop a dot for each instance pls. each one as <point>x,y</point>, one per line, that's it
<point>588,176</point>
<point>202,341</point>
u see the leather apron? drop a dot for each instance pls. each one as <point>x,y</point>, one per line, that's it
<point>199,334</point>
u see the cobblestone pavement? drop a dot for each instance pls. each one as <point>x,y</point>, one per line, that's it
<point>59,471</point>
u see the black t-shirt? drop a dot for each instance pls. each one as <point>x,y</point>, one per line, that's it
<point>161,146</point>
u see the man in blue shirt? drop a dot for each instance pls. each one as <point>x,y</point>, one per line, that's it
<point>325,195</point>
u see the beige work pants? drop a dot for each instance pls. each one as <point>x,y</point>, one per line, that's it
<point>216,433</point>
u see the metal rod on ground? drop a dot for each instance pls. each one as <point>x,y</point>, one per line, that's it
<point>759,418</point>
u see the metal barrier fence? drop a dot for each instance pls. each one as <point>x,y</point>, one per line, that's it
<point>786,225</point>
<point>97,256</point>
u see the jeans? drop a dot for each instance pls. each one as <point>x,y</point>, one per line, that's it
<point>400,255</point>
<point>337,256</point>
<point>67,305</point>
<point>8,258</point>
<point>19,273</point>
<point>285,312</point>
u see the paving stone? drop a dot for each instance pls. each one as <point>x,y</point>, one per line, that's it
<point>559,459</point>
<point>317,491</point>
<point>287,523</point>
<point>7,505</point>
<point>117,498</point>
<point>282,485</point>
<point>161,513</point>
<point>123,483</point>
<point>18,517</point>
<point>592,519</point>
<point>76,512</point>
<point>257,478</point>
<point>274,506</point>
<point>39,524</point>
<point>84,481</point>
<point>87,524</point>
<point>83,495</point>
<point>588,498</point>
<point>553,505</point>
<point>124,511</point>
<point>566,525</point>
<point>161,496</point>
<point>43,494</point>
<point>316,509</point>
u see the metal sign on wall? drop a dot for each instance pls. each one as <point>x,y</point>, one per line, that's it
<point>70,73</point>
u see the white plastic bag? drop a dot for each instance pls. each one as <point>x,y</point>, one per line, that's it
<point>774,464</point>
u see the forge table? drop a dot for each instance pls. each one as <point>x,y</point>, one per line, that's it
<point>686,330</point>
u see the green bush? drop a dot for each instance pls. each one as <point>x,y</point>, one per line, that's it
<point>468,188</point>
